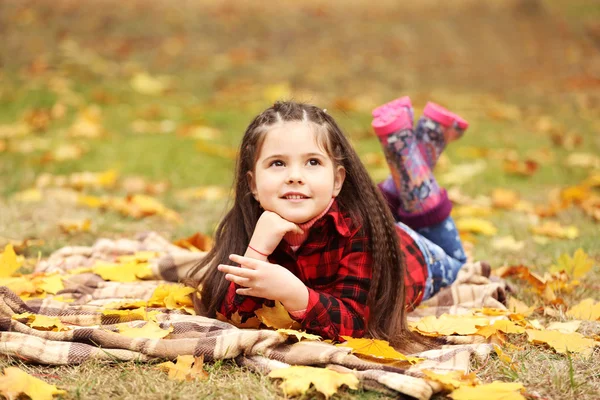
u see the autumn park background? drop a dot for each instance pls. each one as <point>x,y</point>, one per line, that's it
<point>119,117</point>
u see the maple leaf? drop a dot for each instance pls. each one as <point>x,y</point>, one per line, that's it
<point>15,382</point>
<point>492,391</point>
<point>564,327</point>
<point>507,243</point>
<point>476,225</point>
<point>502,326</point>
<point>522,168</point>
<point>452,379</point>
<point>150,330</point>
<point>576,267</point>
<point>144,83</point>
<point>299,335</point>
<point>129,272</point>
<point>587,310</point>
<point>555,230</point>
<point>185,368</point>
<point>75,226</point>
<point>197,242</point>
<point>563,342</point>
<point>236,320</point>
<point>448,325</point>
<point>376,350</point>
<point>19,285</point>
<point>173,297</point>
<point>51,284</point>
<point>518,307</point>
<point>276,317</point>
<point>298,379</point>
<point>504,198</point>
<point>42,322</point>
<point>131,315</point>
<point>9,262</point>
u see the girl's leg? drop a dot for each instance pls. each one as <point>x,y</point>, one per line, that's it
<point>442,266</point>
<point>421,201</point>
<point>435,129</point>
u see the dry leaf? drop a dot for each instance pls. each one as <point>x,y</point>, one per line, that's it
<point>492,391</point>
<point>502,356</point>
<point>476,225</point>
<point>276,317</point>
<point>522,168</point>
<point>88,123</point>
<point>42,322</point>
<point>583,160</point>
<point>555,230</point>
<point>150,330</point>
<point>129,272</point>
<point>502,326</point>
<point>64,152</point>
<point>51,284</point>
<point>197,242</point>
<point>15,382</point>
<point>448,325</point>
<point>298,334</point>
<point>518,307</point>
<point>564,327</point>
<point>298,379</point>
<point>575,267</point>
<point>144,83</point>
<point>563,342</point>
<point>9,263</point>
<point>215,149</point>
<point>463,173</point>
<point>75,226</point>
<point>173,297</point>
<point>587,310</point>
<point>507,243</point>
<point>139,314</point>
<point>211,193</point>
<point>376,349</point>
<point>504,198</point>
<point>236,320</point>
<point>452,379</point>
<point>185,368</point>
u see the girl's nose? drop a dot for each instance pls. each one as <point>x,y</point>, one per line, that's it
<point>295,176</point>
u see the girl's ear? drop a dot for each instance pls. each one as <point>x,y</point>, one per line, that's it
<point>252,184</point>
<point>338,180</point>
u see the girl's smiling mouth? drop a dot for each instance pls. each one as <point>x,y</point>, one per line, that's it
<point>294,196</point>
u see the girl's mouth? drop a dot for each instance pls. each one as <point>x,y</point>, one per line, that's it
<point>295,197</point>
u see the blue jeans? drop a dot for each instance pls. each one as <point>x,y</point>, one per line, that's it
<point>443,253</point>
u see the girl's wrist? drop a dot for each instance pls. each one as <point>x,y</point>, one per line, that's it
<point>252,252</point>
<point>297,298</point>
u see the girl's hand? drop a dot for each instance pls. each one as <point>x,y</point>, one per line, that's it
<point>266,280</point>
<point>269,231</point>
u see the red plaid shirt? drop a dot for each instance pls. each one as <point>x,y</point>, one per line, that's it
<point>336,266</point>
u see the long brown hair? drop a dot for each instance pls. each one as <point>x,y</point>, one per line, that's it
<point>359,197</point>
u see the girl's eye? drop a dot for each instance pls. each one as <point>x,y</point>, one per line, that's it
<point>277,163</point>
<point>314,162</point>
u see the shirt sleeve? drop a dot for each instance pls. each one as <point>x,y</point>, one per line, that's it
<point>243,305</point>
<point>341,309</point>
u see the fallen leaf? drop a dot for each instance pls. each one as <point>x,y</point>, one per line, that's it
<point>463,173</point>
<point>562,342</point>
<point>276,317</point>
<point>375,348</point>
<point>507,243</point>
<point>51,284</point>
<point>587,310</point>
<point>197,242</point>
<point>583,160</point>
<point>564,327</point>
<point>9,263</point>
<point>88,123</point>
<point>522,168</point>
<point>298,334</point>
<point>42,322</point>
<point>236,320</point>
<point>173,297</point>
<point>492,391</point>
<point>452,379</point>
<point>461,211</point>
<point>476,225</point>
<point>575,267</point>
<point>211,193</point>
<point>502,326</point>
<point>448,325</point>
<point>75,226</point>
<point>15,382</point>
<point>138,314</point>
<point>150,330</point>
<point>298,379</point>
<point>502,356</point>
<point>185,368</point>
<point>144,83</point>
<point>518,307</point>
<point>504,198</point>
<point>555,230</point>
<point>129,272</point>
<point>64,152</point>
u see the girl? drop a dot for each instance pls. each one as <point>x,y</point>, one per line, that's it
<point>308,227</point>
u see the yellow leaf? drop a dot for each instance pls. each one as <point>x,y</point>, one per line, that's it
<point>507,243</point>
<point>471,211</point>
<point>297,380</point>
<point>75,226</point>
<point>28,196</point>
<point>378,349</point>
<point>587,310</point>
<point>144,83</point>
<point>555,230</point>
<point>502,326</point>
<point>576,267</point>
<point>139,257</point>
<point>449,325</point>
<point>173,297</point>
<point>150,330</point>
<point>476,225</point>
<point>562,342</point>
<point>504,198</point>
<point>492,391</point>
<point>502,356</point>
<point>9,262</point>
<point>20,285</point>
<point>185,368</point>
<point>299,335</point>
<point>276,317</point>
<point>15,382</point>
<point>452,379</point>
<point>564,327</point>
<point>131,315</point>
<point>122,272</point>
<point>51,284</point>
<point>42,322</point>
<point>236,320</point>
<point>518,307</point>
<point>126,305</point>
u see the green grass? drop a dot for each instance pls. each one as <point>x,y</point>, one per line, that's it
<point>214,84</point>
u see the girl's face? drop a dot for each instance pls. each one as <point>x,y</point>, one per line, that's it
<point>293,176</point>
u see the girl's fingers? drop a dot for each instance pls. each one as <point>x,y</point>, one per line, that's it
<point>245,262</point>
<point>237,271</point>
<point>237,279</point>
<point>244,291</point>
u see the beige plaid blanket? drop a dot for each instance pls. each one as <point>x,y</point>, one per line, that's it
<point>93,335</point>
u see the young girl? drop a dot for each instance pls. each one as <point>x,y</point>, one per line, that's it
<point>309,228</point>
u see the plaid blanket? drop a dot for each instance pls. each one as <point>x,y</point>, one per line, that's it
<point>93,334</point>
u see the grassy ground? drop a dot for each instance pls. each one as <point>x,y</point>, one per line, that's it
<point>517,71</point>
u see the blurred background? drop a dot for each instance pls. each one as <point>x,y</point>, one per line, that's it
<point>118,117</point>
